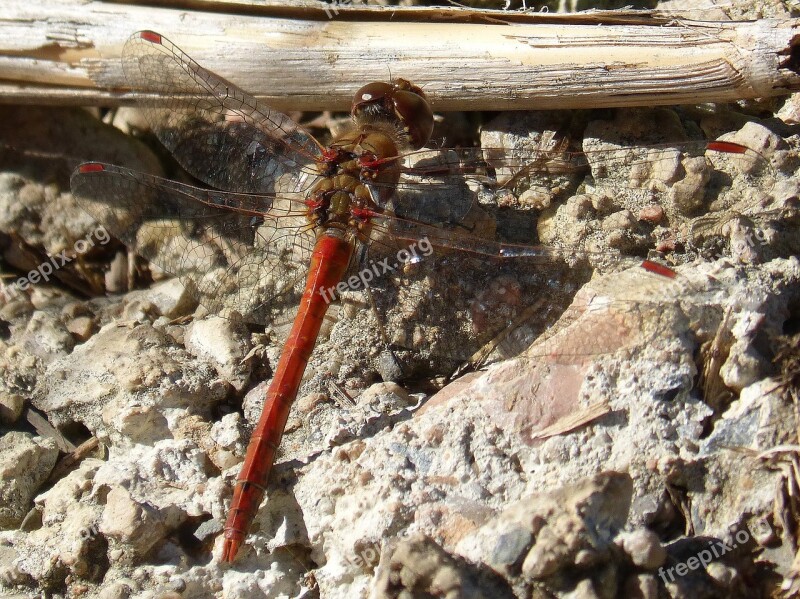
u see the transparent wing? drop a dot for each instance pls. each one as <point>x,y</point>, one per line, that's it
<point>450,294</point>
<point>471,288</point>
<point>234,252</point>
<point>442,186</point>
<point>217,132</point>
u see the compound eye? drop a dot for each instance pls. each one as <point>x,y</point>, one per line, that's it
<point>375,93</point>
<point>416,114</point>
<point>401,100</point>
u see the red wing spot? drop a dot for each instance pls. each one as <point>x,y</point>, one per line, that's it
<point>363,213</point>
<point>91,167</point>
<point>150,36</point>
<point>727,146</point>
<point>659,269</point>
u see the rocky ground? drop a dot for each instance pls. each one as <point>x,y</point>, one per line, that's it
<point>645,446</point>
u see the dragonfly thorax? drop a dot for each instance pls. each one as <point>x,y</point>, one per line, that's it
<point>356,165</point>
<point>337,201</point>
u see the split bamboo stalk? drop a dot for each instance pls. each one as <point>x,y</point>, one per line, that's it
<point>67,52</point>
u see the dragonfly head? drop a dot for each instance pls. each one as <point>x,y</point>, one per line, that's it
<point>401,101</point>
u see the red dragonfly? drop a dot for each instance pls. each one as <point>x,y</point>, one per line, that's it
<point>293,223</point>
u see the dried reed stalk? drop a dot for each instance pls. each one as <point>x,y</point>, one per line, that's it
<point>310,55</point>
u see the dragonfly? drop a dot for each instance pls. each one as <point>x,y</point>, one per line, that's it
<point>284,225</point>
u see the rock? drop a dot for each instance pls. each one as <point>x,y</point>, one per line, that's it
<point>583,590</point>
<point>116,277</point>
<point>171,298</point>
<point>652,213</point>
<point>139,377</point>
<point>130,119</point>
<point>643,547</point>
<point>756,137</point>
<point>385,397</point>
<point>81,327</point>
<point>66,542</point>
<point>131,523</point>
<point>253,402</point>
<point>641,586</point>
<point>10,574</point>
<point>227,434</point>
<point>25,463</point>
<point>15,306</point>
<point>388,367</point>
<point>225,344</point>
<point>540,535</point>
<point>115,590</point>
<point>46,337</point>
<point>789,113</point>
<point>619,220</point>
<point>137,308</point>
<point>623,183</point>
<point>419,567</point>
<point>684,575</point>
<point>320,424</point>
<point>524,134</point>
<point>724,575</point>
<point>11,406</point>
<point>147,494</point>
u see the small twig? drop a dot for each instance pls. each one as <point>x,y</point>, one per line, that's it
<point>68,461</point>
<point>574,421</point>
<point>47,430</point>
